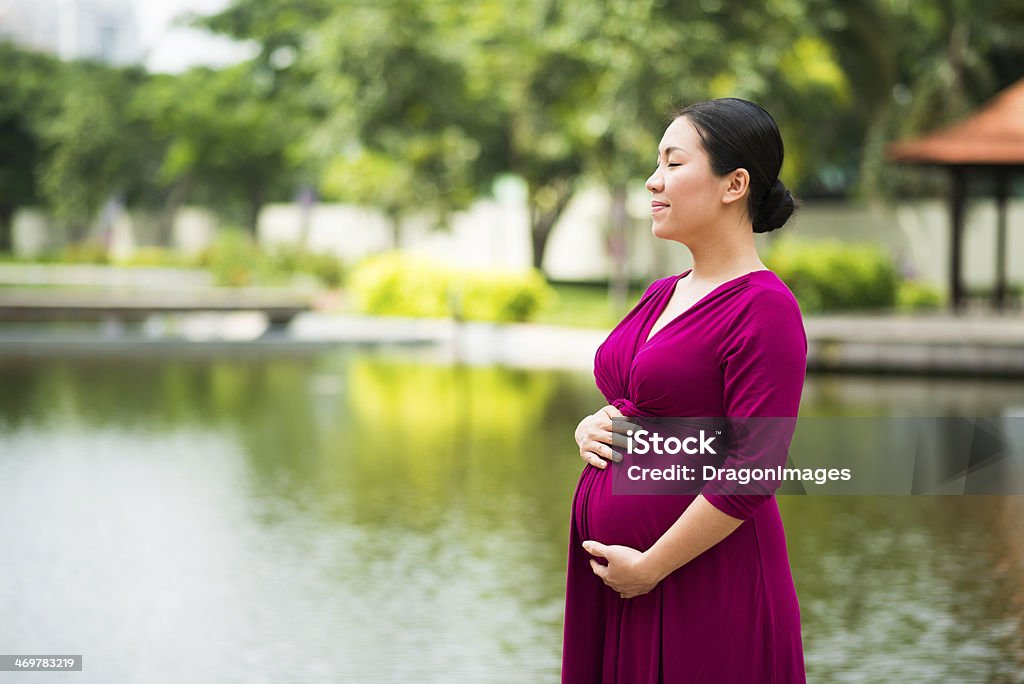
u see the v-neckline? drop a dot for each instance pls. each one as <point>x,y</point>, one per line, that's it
<point>649,337</point>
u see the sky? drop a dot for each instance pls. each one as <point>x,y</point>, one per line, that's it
<point>170,48</point>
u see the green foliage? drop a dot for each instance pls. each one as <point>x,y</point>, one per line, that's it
<point>370,178</point>
<point>79,252</point>
<point>417,107</point>
<point>917,296</point>
<point>831,276</point>
<point>913,67</point>
<point>290,260</point>
<point>82,167</point>
<point>84,252</point>
<point>231,139</point>
<point>588,305</point>
<point>27,97</point>
<point>400,285</point>
<point>157,256</point>
<point>402,129</point>
<point>236,260</point>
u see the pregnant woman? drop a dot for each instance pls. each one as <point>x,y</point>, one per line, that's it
<point>693,587</point>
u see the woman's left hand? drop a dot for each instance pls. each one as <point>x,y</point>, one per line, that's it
<point>627,571</point>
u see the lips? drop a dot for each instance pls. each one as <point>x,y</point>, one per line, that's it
<point>658,206</point>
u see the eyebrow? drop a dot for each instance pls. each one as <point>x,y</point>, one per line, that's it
<point>665,151</point>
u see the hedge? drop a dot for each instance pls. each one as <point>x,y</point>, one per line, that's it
<point>396,284</point>
<point>836,276</point>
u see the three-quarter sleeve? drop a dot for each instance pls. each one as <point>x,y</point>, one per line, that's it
<point>763,358</point>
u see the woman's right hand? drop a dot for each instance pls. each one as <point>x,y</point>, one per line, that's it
<point>597,434</point>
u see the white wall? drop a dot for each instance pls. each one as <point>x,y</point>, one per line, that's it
<point>494,233</point>
<point>918,235</point>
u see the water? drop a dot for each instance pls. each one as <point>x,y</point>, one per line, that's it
<point>360,516</point>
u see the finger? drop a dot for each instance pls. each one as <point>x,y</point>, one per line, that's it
<point>599,436</point>
<point>621,440</point>
<point>599,570</point>
<point>594,459</point>
<point>596,449</point>
<point>611,411</point>
<point>595,548</point>
<point>621,428</point>
<point>604,451</point>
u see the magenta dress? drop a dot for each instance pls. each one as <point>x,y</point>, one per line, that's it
<point>731,614</point>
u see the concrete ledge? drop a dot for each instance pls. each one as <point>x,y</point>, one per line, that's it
<point>927,344</point>
<point>97,275</point>
<point>980,346</point>
<point>280,306</point>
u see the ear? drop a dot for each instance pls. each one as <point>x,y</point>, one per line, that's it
<point>737,185</point>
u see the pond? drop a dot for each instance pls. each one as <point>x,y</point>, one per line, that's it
<point>372,516</point>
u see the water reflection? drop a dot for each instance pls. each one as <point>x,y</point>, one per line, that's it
<point>366,517</point>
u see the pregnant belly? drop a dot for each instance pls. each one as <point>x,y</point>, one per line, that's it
<point>632,520</point>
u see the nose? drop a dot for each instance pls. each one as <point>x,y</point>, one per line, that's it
<point>654,182</point>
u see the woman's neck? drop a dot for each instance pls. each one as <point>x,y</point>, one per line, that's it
<point>731,256</point>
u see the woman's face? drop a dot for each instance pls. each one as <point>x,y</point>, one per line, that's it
<point>686,196</point>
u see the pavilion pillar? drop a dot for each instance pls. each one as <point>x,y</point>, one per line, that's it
<point>1002,190</point>
<point>957,202</point>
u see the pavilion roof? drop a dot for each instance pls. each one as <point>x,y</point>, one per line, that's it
<point>993,135</point>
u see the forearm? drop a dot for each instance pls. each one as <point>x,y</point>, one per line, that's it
<point>700,527</point>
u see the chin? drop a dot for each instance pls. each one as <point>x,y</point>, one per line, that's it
<point>662,231</point>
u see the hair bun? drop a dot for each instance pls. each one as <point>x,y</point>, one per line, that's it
<point>775,209</point>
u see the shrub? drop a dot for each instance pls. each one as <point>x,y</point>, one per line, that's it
<point>327,267</point>
<point>156,256</point>
<point>288,260</point>
<point>916,296</point>
<point>87,252</point>
<point>401,285</point>
<point>836,276</point>
<point>236,260</point>
<point>496,296</point>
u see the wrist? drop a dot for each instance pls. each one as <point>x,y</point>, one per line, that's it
<point>576,434</point>
<point>654,566</point>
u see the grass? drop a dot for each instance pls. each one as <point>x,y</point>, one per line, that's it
<point>585,306</point>
<point>577,306</point>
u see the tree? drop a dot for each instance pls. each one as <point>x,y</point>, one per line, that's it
<point>92,147</point>
<point>523,62</point>
<point>401,109</point>
<point>914,67</point>
<point>82,167</point>
<point>389,107</point>
<point>633,88</point>
<point>230,142</point>
<point>26,97</point>
<point>434,100</point>
<point>420,105</point>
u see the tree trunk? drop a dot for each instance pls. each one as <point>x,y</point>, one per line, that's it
<point>78,232</point>
<point>546,205</point>
<point>618,248</point>
<point>175,199</point>
<point>305,203</point>
<point>6,228</point>
<point>395,217</point>
<point>257,198</point>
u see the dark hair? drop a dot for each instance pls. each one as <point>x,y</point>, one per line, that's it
<point>736,134</point>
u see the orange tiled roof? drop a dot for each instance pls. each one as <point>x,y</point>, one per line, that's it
<point>992,135</point>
